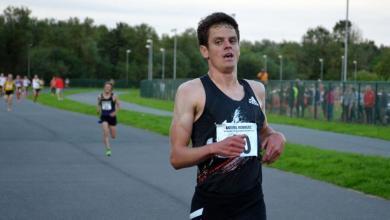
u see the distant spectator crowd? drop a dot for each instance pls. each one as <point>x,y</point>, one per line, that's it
<point>348,102</point>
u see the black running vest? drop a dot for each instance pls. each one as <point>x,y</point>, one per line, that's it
<point>227,175</point>
<point>107,104</point>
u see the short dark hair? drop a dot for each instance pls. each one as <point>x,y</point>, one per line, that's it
<point>109,83</point>
<point>214,19</point>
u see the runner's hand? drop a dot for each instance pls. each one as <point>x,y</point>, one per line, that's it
<point>274,146</point>
<point>230,147</point>
<point>113,114</point>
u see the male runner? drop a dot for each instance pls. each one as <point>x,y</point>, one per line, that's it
<point>9,88</point>
<point>26,84</point>
<point>36,85</point>
<point>2,82</point>
<point>225,120</point>
<point>108,106</point>
<point>18,86</point>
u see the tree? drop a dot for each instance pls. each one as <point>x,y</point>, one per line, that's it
<point>382,68</point>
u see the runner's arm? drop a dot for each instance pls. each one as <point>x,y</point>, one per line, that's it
<point>272,141</point>
<point>181,155</point>
<point>98,106</point>
<point>117,106</point>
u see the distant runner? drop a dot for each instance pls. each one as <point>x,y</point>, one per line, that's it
<point>26,85</point>
<point>9,89</point>
<point>2,82</point>
<point>18,86</point>
<point>36,85</point>
<point>108,106</point>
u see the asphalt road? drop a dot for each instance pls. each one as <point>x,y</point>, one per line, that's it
<point>52,166</point>
<point>294,134</point>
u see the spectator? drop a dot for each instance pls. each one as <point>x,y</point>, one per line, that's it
<point>59,88</point>
<point>67,82</point>
<point>348,103</point>
<point>384,99</point>
<point>263,77</point>
<point>53,86</point>
<point>369,103</point>
<point>300,98</point>
<point>330,98</point>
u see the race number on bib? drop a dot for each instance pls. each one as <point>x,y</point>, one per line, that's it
<point>106,105</point>
<point>248,129</point>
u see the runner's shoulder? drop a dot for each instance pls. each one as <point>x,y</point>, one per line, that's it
<point>257,87</point>
<point>191,88</point>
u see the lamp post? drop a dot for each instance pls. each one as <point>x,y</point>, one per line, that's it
<point>163,63</point>
<point>174,52</point>
<point>322,68</point>
<point>150,62</point>
<point>346,44</point>
<point>128,51</point>
<point>265,62</point>
<point>354,74</point>
<point>281,68</point>
<point>28,60</point>
<point>342,68</point>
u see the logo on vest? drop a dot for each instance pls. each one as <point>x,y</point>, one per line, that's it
<point>252,101</point>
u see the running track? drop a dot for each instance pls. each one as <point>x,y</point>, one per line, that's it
<point>52,167</point>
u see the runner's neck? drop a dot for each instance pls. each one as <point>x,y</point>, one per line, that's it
<point>224,81</point>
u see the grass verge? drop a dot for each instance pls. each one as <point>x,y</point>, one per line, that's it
<point>368,174</point>
<point>380,132</point>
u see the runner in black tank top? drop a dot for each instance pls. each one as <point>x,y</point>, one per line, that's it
<point>237,179</point>
<point>108,105</point>
<point>224,119</point>
<point>216,174</point>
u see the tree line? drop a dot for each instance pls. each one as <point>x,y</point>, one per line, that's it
<point>81,49</point>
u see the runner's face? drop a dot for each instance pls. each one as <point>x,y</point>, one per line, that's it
<point>223,49</point>
<point>107,88</point>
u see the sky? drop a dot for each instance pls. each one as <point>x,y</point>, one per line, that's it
<point>276,20</point>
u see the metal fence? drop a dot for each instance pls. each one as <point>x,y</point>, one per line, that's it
<point>98,83</point>
<point>363,102</point>
<point>160,89</point>
<point>359,102</point>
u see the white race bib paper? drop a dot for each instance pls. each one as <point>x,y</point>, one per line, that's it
<point>106,105</point>
<point>249,129</point>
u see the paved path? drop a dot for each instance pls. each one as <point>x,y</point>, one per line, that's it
<point>52,166</point>
<point>294,134</point>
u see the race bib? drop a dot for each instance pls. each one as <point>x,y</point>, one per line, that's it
<point>248,129</point>
<point>106,105</point>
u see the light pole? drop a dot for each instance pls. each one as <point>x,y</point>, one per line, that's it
<point>128,51</point>
<point>322,68</point>
<point>163,63</point>
<point>342,68</point>
<point>150,62</point>
<point>281,68</point>
<point>265,62</point>
<point>354,74</point>
<point>28,60</point>
<point>346,44</point>
<point>174,52</point>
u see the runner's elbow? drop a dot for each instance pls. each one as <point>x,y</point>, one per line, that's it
<point>175,162</point>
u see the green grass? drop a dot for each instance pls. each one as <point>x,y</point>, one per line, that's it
<point>133,96</point>
<point>140,120</point>
<point>367,174</point>
<point>380,132</point>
